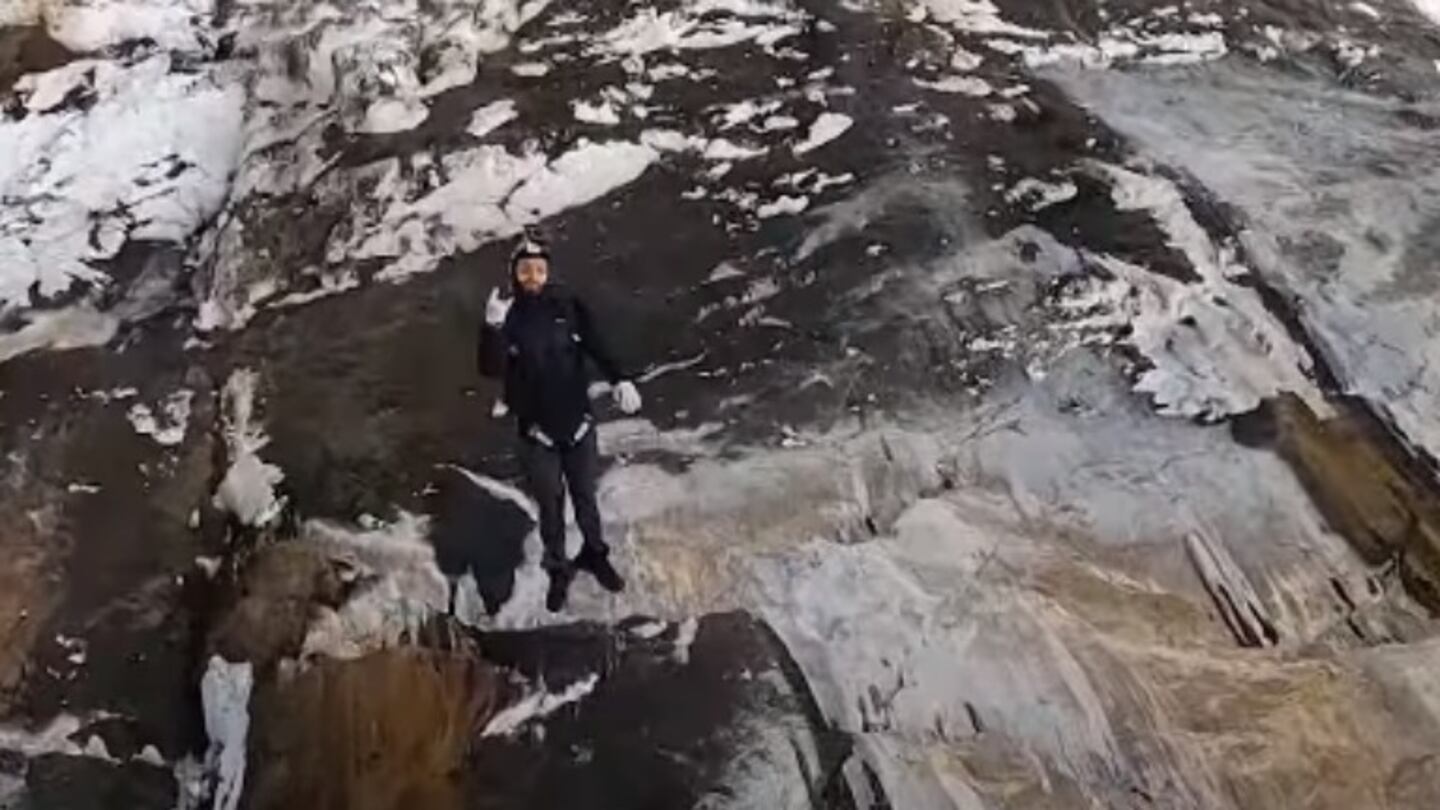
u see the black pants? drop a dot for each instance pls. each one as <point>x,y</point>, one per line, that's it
<point>548,471</point>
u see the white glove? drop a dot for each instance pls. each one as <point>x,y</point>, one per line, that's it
<point>627,398</point>
<point>496,308</point>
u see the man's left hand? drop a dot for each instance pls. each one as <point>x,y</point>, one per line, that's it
<point>627,397</point>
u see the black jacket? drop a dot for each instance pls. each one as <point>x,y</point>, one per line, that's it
<point>540,353</point>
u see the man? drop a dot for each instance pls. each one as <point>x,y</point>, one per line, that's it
<point>538,343</point>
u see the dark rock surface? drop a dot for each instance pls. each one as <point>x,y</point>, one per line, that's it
<point>1039,404</point>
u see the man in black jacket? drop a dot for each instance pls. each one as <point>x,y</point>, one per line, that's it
<point>538,343</point>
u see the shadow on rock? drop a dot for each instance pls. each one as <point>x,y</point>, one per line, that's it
<point>478,533</point>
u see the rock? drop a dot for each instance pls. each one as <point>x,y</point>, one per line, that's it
<point>943,497</point>
<point>278,590</point>
<point>60,782</point>
<point>25,49</point>
<point>728,723</point>
<point>389,731</point>
<point>1386,507</point>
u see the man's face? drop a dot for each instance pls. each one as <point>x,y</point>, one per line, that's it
<point>531,273</point>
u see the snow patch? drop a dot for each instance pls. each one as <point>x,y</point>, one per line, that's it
<point>1039,194</point>
<point>488,193</point>
<point>536,706</point>
<point>647,630</point>
<point>1430,8</point>
<point>167,428</point>
<point>685,635</point>
<point>602,113</point>
<point>723,272</point>
<point>150,159</point>
<point>965,85</point>
<point>53,738</point>
<point>402,586</point>
<point>826,127</point>
<point>59,330</point>
<point>1215,349</point>
<point>248,489</point>
<point>699,24</point>
<point>101,24</point>
<point>587,172</point>
<point>1119,46</point>
<point>733,115</point>
<point>784,205</point>
<point>1366,9</point>
<point>975,17</point>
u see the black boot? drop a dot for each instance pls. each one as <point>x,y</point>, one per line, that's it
<point>599,566</point>
<point>559,590</point>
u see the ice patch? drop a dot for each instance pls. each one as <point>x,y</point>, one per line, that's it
<point>827,127</point>
<point>225,697</point>
<point>168,428</point>
<point>537,706</point>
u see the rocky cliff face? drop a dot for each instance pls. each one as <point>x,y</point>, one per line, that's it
<point>1039,404</point>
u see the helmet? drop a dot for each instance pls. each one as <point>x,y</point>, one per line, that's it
<point>529,245</point>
